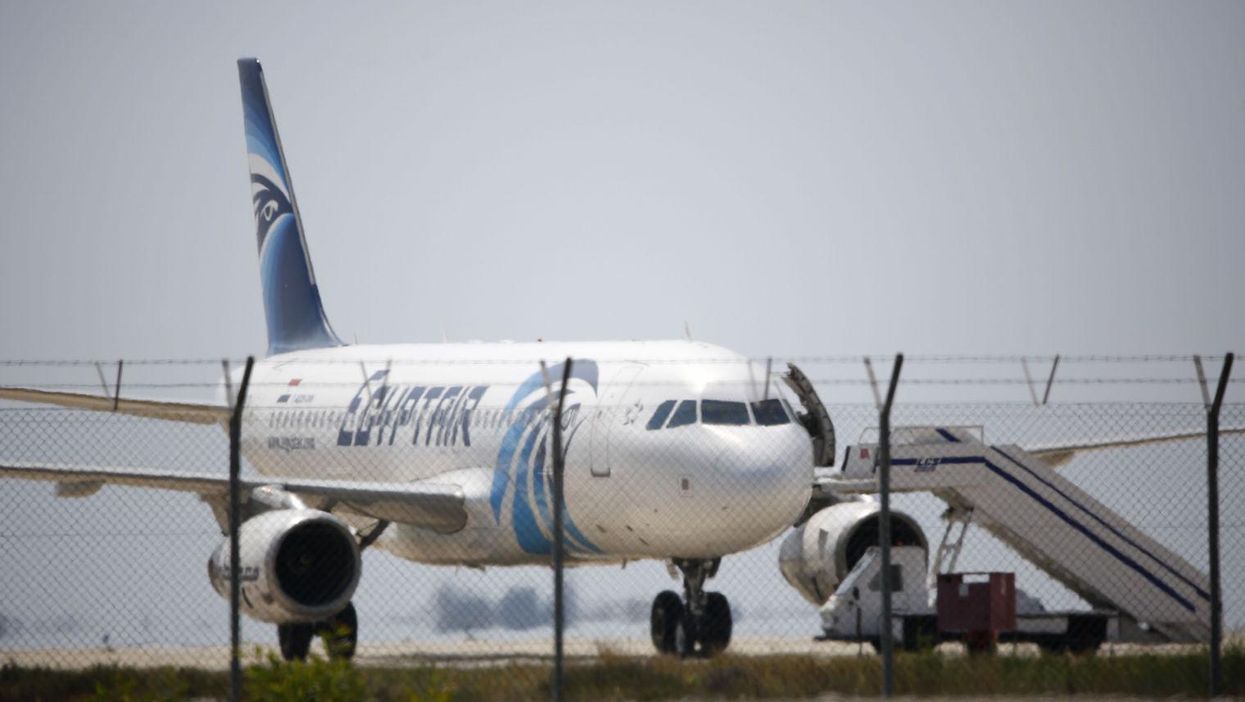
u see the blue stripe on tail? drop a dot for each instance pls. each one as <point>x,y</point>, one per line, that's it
<point>292,306</point>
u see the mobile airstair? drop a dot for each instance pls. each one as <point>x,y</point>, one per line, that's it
<point>1048,520</point>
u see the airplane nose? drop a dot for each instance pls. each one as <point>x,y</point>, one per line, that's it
<point>769,474</point>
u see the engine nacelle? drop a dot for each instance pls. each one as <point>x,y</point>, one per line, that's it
<point>296,565</point>
<point>817,555</point>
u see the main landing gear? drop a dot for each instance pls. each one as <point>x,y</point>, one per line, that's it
<point>340,635</point>
<point>699,624</point>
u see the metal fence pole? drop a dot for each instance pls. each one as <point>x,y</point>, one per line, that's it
<point>559,613</point>
<point>1212,499</point>
<point>235,521</point>
<point>884,530</point>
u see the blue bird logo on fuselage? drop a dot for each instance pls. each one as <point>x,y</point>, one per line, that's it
<point>520,477</point>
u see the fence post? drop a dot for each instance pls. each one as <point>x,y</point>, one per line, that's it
<point>559,613</point>
<point>235,521</point>
<point>884,530</point>
<point>1212,499</point>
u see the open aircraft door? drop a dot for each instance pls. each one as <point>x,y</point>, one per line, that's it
<point>611,412</point>
<point>815,418</point>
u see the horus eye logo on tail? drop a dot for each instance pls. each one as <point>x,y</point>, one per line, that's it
<point>521,483</point>
<point>271,203</point>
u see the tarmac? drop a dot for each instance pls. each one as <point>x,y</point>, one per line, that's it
<point>464,653</point>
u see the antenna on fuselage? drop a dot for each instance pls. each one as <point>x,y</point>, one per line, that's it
<point>687,330</point>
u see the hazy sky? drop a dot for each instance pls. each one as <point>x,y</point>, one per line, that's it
<point>789,178</point>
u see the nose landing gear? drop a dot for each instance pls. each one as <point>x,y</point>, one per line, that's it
<point>699,624</point>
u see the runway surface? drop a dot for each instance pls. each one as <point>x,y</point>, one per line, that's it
<point>465,653</point>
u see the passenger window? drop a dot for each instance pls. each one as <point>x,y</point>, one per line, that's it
<point>659,417</point>
<point>722,412</point>
<point>685,414</point>
<point>770,413</point>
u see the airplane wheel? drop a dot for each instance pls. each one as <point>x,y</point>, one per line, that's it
<point>341,633</point>
<point>715,628</point>
<point>295,640</point>
<point>665,621</point>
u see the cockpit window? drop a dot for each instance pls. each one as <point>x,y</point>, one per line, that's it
<point>770,413</point>
<point>659,417</point>
<point>722,412</point>
<point>684,414</point>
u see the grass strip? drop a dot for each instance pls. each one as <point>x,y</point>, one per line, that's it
<point>612,677</point>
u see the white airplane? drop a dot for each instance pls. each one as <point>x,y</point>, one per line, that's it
<point>676,450</point>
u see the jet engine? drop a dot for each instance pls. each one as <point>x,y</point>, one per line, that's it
<point>295,565</point>
<point>819,553</point>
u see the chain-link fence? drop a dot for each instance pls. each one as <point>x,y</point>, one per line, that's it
<point>401,511</point>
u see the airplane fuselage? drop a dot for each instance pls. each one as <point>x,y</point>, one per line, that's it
<point>722,468</point>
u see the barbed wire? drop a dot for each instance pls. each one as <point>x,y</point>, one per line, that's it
<point>216,532</point>
<point>860,382</point>
<point>107,534</point>
<point>808,359</point>
<point>1178,408</point>
<point>112,362</point>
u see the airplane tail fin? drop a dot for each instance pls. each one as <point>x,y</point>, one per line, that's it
<point>295,316</point>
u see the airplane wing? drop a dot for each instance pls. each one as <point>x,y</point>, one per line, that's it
<point>152,409</point>
<point>425,503</point>
<point>1056,455</point>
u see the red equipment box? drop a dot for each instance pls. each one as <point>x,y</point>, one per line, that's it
<point>981,604</point>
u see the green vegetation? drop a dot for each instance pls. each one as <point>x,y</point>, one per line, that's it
<point>616,678</point>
